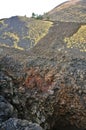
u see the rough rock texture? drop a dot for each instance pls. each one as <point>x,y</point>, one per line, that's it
<point>45,85</point>
<point>69,11</point>
<point>17,124</point>
<point>6,109</point>
<point>51,97</point>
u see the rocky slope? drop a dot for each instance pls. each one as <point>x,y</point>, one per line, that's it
<point>22,32</point>
<point>70,11</point>
<point>47,84</point>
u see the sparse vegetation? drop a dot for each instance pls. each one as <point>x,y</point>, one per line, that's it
<point>26,35</point>
<point>36,16</point>
<point>78,40</point>
<point>33,15</point>
<point>1,21</point>
<point>2,24</point>
<point>38,29</point>
<point>14,38</point>
<point>40,17</point>
<point>69,12</point>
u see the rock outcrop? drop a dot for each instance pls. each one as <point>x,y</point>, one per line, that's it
<point>17,124</point>
<point>53,97</point>
<point>6,109</point>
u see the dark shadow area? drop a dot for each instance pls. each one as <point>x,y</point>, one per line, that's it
<point>68,127</point>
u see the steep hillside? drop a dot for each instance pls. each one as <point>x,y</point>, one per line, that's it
<point>22,32</point>
<point>73,11</point>
<point>70,11</point>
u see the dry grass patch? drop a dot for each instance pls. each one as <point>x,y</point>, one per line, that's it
<point>38,29</point>
<point>78,40</point>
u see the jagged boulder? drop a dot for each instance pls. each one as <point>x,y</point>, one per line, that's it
<point>6,109</point>
<point>17,124</point>
<point>6,85</point>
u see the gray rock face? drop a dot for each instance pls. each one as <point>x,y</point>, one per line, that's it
<point>6,109</point>
<point>17,124</point>
<point>6,84</point>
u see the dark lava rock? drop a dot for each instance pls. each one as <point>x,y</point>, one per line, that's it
<point>6,84</point>
<point>6,109</point>
<point>17,124</point>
